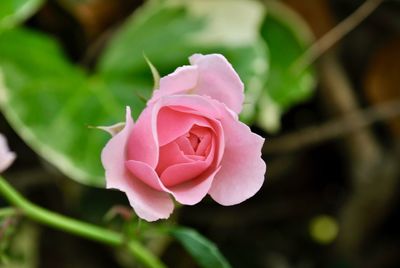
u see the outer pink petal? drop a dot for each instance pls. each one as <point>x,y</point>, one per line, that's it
<point>142,142</point>
<point>145,173</point>
<point>148,203</point>
<point>113,156</point>
<point>217,79</point>
<point>193,191</point>
<point>194,104</point>
<point>242,168</point>
<point>183,79</point>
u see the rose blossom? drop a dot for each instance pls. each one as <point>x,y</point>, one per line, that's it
<point>187,142</point>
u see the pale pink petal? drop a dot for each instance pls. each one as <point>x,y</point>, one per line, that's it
<point>192,104</point>
<point>142,143</point>
<point>242,168</point>
<point>193,191</point>
<point>6,156</point>
<point>148,203</point>
<point>113,156</point>
<point>183,79</point>
<point>145,173</point>
<point>218,79</point>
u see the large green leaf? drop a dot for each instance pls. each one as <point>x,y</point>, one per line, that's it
<point>170,32</point>
<point>13,12</point>
<point>203,250</point>
<point>287,37</point>
<point>51,103</point>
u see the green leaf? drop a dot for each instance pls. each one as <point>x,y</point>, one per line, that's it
<point>51,103</point>
<point>203,250</point>
<point>169,32</point>
<point>14,12</point>
<point>287,36</point>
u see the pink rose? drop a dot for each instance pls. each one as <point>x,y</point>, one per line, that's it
<point>187,142</point>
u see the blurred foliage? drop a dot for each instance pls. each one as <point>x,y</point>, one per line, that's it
<point>50,102</point>
<point>13,12</point>
<point>287,36</point>
<point>18,243</point>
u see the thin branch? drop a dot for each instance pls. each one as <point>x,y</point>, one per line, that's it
<point>333,129</point>
<point>335,34</point>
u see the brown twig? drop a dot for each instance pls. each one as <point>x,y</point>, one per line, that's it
<point>335,34</point>
<point>332,129</point>
<point>372,168</point>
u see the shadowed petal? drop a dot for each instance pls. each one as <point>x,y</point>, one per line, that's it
<point>242,168</point>
<point>147,202</point>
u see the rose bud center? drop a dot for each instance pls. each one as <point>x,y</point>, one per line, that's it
<point>187,156</point>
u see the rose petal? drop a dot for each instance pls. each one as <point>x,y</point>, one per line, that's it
<point>199,105</point>
<point>148,203</point>
<point>183,79</point>
<point>182,172</point>
<point>170,154</point>
<point>113,155</point>
<point>6,156</point>
<point>242,168</point>
<point>205,140</point>
<point>203,106</point>
<point>145,173</point>
<point>179,173</point>
<point>217,79</point>
<point>184,145</point>
<point>193,191</point>
<point>142,143</point>
<point>172,124</point>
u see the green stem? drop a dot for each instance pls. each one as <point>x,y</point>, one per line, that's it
<point>77,227</point>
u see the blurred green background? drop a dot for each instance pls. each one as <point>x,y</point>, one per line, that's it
<point>332,126</point>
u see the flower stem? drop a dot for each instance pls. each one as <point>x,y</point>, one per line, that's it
<point>77,227</point>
